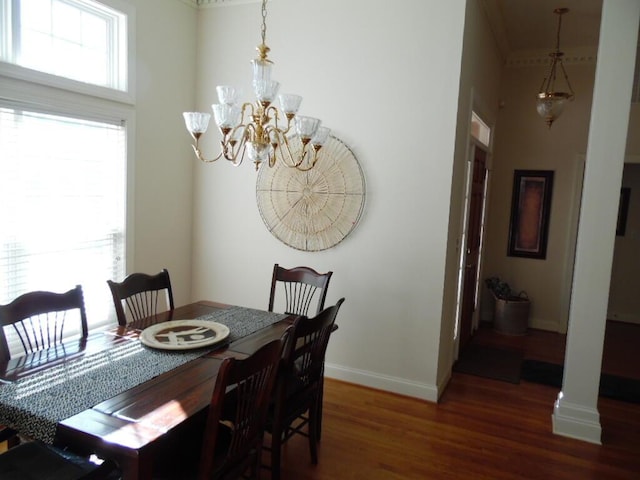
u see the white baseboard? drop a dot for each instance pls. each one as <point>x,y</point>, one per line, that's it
<point>547,325</point>
<point>388,383</point>
<point>624,317</point>
<point>576,421</point>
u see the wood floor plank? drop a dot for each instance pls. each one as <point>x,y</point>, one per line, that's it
<point>481,429</point>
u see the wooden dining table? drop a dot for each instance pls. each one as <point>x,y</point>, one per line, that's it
<point>129,426</point>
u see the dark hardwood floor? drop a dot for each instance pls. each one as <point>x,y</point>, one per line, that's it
<point>480,429</point>
<point>621,355</point>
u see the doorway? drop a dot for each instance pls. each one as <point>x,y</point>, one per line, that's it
<point>473,244</point>
<point>472,237</point>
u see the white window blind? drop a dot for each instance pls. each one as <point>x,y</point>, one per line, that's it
<point>62,206</point>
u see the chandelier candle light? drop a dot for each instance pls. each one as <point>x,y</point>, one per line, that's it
<point>550,102</point>
<point>259,129</point>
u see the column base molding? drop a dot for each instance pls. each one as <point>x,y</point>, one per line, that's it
<point>576,421</point>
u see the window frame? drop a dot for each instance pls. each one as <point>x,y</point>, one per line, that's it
<point>127,96</point>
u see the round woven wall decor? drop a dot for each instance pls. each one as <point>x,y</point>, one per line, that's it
<point>314,210</point>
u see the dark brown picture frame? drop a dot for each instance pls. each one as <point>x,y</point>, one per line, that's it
<point>530,211</point>
<point>623,211</point>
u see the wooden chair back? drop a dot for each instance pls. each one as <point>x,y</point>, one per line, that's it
<point>232,442</point>
<point>298,287</point>
<point>140,293</point>
<point>39,319</point>
<point>300,384</point>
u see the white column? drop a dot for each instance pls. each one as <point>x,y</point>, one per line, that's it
<point>576,413</point>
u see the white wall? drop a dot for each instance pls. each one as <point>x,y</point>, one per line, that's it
<point>633,137</point>
<point>624,301</point>
<point>162,184</point>
<point>378,75</point>
<point>523,141</point>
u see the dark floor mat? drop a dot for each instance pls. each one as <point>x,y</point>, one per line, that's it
<point>542,372</point>
<point>611,386</point>
<point>490,362</point>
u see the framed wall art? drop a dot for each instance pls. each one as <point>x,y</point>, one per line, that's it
<point>530,210</point>
<point>313,210</point>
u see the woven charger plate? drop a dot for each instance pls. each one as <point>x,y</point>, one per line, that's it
<point>314,210</point>
<point>183,334</point>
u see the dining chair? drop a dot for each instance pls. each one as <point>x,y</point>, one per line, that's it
<point>230,445</point>
<point>298,286</point>
<point>40,319</point>
<point>36,461</point>
<point>141,294</point>
<point>295,289</point>
<point>298,389</point>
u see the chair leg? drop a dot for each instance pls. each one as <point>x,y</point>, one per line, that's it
<point>313,430</point>
<point>319,409</point>
<point>276,444</point>
<point>255,466</point>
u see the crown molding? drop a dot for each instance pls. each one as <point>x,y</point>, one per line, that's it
<point>578,56</point>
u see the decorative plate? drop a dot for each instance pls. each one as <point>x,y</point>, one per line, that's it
<point>183,334</point>
<point>317,209</point>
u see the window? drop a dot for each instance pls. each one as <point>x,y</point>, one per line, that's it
<point>480,130</point>
<point>77,39</point>
<point>63,152</point>
<point>62,211</point>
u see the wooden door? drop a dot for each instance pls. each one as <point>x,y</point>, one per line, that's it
<point>474,236</point>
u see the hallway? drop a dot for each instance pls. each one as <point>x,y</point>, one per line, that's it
<point>621,356</point>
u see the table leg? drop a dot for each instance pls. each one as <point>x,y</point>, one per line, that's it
<point>137,468</point>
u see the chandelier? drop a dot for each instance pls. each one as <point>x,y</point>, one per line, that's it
<point>259,129</point>
<point>550,102</point>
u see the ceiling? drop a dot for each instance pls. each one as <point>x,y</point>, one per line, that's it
<point>522,25</point>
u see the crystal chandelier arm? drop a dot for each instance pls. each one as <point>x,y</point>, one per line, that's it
<point>317,141</point>
<point>246,106</point>
<point>272,113</point>
<point>234,143</point>
<point>201,157</point>
<point>303,161</point>
<point>229,149</point>
<point>311,163</point>
<point>285,150</point>
<point>197,124</point>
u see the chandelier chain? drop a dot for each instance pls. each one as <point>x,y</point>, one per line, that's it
<point>263,30</point>
<point>558,33</point>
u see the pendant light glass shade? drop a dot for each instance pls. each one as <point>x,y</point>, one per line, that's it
<point>550,105</point>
